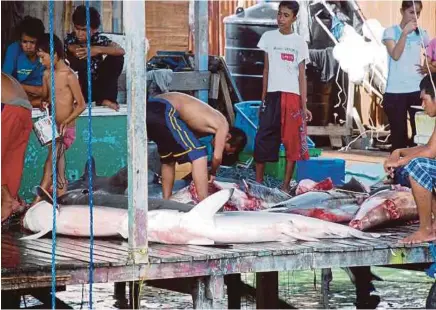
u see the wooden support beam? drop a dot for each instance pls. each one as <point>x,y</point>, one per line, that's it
<point>205,290</point>
<point>227,99</point>
<point>134,302</point>
<point>10,300</point>
<point>137,130</point>
<point>201,41</point>
<point>190,80</point>
<point>120,290</point>
<point>250,293</point>
<point>326,278</point>
<point>267,290</point>
<point>214,85</point>
<point>234,290</point>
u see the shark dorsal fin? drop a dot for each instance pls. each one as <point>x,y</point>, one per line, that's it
<point>207,208</point>
<point>119,179</point>
<point>86,170</point>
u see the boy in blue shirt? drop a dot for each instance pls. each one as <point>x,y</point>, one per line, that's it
<point>22,62</point>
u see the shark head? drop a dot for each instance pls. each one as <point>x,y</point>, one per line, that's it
<point>38,219</point>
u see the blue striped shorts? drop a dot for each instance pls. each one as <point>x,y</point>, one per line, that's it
<point>423,171</point>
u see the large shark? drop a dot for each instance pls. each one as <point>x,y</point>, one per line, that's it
<point>202,225</point>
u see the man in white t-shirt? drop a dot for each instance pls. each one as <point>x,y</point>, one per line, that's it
<point>283,114</point>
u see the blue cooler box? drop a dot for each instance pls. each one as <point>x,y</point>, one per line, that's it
<point>318,169</point>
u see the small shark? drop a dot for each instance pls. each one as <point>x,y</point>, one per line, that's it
<point>108,191</point>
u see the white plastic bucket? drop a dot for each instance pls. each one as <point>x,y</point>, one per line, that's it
<point>43,129</point>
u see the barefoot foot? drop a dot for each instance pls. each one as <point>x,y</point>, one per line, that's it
<point>110,104</point>
<point>422,235</point>
<point>9,206</point>
<point>284,188</point>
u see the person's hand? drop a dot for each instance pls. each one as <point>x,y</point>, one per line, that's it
<point>82,52</point>
<point>411,26</point>
<point>307,115</point>
<point>62,128</point>
<point>390,166</point>
<point>262,106</point>
<point>43,106</point>
<point>211,178</point>
<point>422,69</point>
<point>394,157</point>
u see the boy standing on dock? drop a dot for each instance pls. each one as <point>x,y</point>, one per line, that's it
<point>283,114</point>
<point>420,164</point>
<point>69,105</point>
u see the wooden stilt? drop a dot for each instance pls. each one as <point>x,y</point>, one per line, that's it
<point>267,290</point>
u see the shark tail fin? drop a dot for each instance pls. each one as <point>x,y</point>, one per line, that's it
<point>124,227</point>
<point>207,208</point>
<point>37,235</point>
<point>43,192</point>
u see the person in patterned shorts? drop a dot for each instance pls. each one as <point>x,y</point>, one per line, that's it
<point>420,164</point>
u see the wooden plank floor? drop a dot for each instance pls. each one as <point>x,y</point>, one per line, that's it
<point>27,264</point>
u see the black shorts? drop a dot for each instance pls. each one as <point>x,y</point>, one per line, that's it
<point>268,136</point>
<point>175,141</point>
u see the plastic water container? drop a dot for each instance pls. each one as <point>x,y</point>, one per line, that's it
<point>318,169</point>
<point>247,119</point>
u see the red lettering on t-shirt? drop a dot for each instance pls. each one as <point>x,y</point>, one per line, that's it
<point>287,57</point>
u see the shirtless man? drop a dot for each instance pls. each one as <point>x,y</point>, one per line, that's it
<point>171,120</point>
<point>420,164</point>
<point>16,126</point>
<point>69,105</point>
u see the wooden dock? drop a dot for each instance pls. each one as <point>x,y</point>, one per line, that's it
<point>27,264</point>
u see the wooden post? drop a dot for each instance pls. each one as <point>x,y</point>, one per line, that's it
<point>267,290</point>
<point>201,42</point>
<point>205,290</point>
<point>134,301</point>
<point>326,278</point>
<point>234,291</point>
<point>134,25</point>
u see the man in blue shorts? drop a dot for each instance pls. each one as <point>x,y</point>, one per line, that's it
<point>172,119</point>
<point>420,164</point>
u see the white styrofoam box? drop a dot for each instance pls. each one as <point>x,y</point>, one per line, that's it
<point>424,127</point>
<point>424,124</point>
<point>421,140</point>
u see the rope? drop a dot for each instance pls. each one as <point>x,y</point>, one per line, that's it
<point>424,47</point>
<point>53,149</point>
<point>91,201</point>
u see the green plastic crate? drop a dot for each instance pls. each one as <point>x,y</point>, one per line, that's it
<point>277,169</point>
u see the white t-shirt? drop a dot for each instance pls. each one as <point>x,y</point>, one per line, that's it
<point>403,76</point>
<point>285,52</point>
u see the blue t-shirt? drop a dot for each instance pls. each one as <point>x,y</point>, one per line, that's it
<point>403,76</point>
<point>21,67</point>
